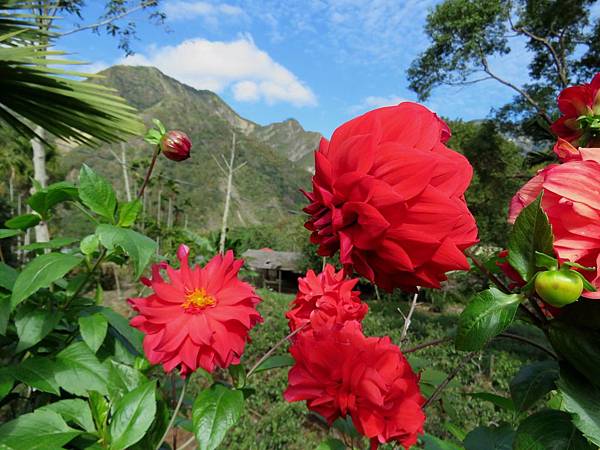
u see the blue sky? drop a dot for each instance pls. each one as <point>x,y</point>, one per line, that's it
<point>319,61</point>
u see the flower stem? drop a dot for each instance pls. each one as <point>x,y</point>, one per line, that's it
<point>174,416</point>
<point>84,283</point>
<point>448,379</point>
<point>428,344</point>
<point>150,169</point>
<point>275,347</point>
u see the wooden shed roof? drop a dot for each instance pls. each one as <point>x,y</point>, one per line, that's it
<point>270,259</point>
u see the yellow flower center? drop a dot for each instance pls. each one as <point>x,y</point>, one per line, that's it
<point>197,300</point>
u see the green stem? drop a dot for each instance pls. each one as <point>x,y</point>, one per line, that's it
<point>85,211</point>
<point>275,347</point>
<point>150,169</point>
<point>174,416</point>
<point>87,278</point>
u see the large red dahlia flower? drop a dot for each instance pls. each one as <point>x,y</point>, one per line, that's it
<point>200,317</point>
<point>572,202</point>
<point>340,372</point>
<point>325,299</point>
<point>575,102</point>
<point>388,194</point>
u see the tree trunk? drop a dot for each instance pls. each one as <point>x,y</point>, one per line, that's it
<point>125,173</point>
<point>40,175</point>
<point>227,198</point>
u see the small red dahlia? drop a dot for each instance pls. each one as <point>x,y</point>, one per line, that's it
<point>326,299</point>
<point>200,317</point>
<point>340,372</point>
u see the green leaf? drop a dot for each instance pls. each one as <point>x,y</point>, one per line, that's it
<point>531,233</point>
<point>41,273</point>
<point>38,372</point>
<point>134,414</point>
<point>488,314</point>
<point>8,276</point>
<point>433,443</point>
<point>93,330</point>
<point>79,371</point>
<point>89,244</point>
<point>215,411</point>
<point>331,444</point>
<point>140,248</point>
<point>5,233</point>
<point>7,381</point>
<point>501,402</point>
<point>549,430</point>
<point>39,430</point>
<point>97,193</point>
<point>275,362</point>
<point>545,261</point>
<point>238,375</point>
<point>582,400</point>
<point>75,411</point>
<point>100,408</point>
<point>346,426</point>
<point>490,438</point>
<point>122,379</point>
<point>533,382</point>
<point>128,212</point>
<point>43,200</point>
<point>23,221</point>
<point>119,326</point>
<point>34,324</point>
<point>54,243</point>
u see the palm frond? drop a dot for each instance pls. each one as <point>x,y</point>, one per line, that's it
<point>34,92</point>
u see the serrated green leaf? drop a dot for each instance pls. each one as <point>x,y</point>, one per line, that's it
<point>531,233</point>
<point>76,411</point>
<point>582,400</point>
<point>122,379</point>
<point>39,430</point>
<point>533,382</point>
<point>44,199</point>
<point>215,411</point>
<point>8,276</point>
<point>128,212</point>
<point>34,324</point>
<point>93,330</point>
<point>79,371</point>
<point>38,372</point>
<point>134,414</point>
<point>41,272</point>
<point>138,247</point>
<point>23,221</point>
<point>7,381</point>
<point>546,261</point>
<point>97,193</point>
<point>120,328</point>
<point>488,313</point>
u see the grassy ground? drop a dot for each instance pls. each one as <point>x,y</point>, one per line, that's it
<point>271,423</point>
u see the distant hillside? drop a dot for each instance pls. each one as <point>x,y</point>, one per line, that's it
<point>278,157</point>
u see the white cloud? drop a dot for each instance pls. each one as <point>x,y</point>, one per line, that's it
<point>185,10</point>
<point>238,65</point>
<point>373,101</point>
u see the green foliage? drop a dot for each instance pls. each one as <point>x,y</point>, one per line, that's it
<point>490,438</point>
<point>488,313</point>
<point>548,430</point>
<point>533,382</point>
<point>215,411</point>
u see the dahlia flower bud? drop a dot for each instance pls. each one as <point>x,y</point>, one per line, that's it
<point>176,145</point>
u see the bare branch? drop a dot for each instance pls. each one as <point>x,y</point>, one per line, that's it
<point>142,5</point>
<point>240,166</point>
<point>219,164</point>
<point>409,316</point>
<point>560,67</point>
<point>541,111</point>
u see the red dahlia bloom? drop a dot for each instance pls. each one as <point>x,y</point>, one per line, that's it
<point>340,372</point>
<point>388,194</point>
<point>326,299</point>
<point>572,202</point>
<point>200,317</point>
<point>574,102</point>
